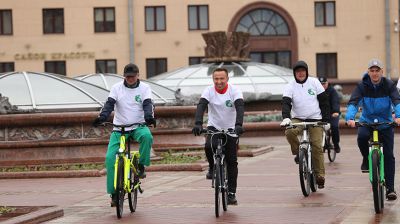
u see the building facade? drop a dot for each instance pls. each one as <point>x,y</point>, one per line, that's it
<point>336,38</point>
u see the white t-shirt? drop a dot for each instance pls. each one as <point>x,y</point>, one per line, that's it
<point>129,106</point>
<point>221,107</point>
<point>305,104</point>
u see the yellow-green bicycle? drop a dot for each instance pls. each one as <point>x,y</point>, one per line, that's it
<point>126,177</point>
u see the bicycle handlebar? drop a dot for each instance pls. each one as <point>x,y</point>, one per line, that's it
<point>375,124</point>
<point>123,125</point>
<point>306,124</point>
<point>231,132</point>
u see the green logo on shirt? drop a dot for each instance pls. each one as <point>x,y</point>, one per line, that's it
<point>311,92</point>
<point>228,103</point>
<point>138,99</point>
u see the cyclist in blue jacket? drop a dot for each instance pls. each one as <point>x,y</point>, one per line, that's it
<point>378,97</point>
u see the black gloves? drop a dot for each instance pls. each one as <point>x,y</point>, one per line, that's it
<point>150,121</point>
<point>197,129</point>
<point>98,121</point>
<point>239,129</point>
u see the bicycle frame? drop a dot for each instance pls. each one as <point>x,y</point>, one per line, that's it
<point>376,145</point>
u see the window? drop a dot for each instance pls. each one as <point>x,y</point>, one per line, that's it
<point>53,21</point>
<point>104,20</point>
<point>6,22</point>
<point>195,60</point>
<point>155,66</point>
<point>6,67</point>
<point>57,67</point>
<point>198,17</point>
<point>106,66</point>
<point>263,22</point>
<point>155,18</point>
<point>327,64</point>
<point>281,58</point>
<point>325,14</point>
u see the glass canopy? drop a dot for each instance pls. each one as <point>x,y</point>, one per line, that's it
<point>258,81</point>
<point>161,95</point>
<point>46,92</point>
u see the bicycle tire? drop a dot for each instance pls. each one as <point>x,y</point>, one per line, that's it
<point>132,196</point>
<point>376,185</point>
<point>329,147</point>
<point>217,186</point>
<point>224,189</point>
<point>120,192</point>
<point>303,172</point>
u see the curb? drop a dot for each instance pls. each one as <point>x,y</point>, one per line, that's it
<point>50,174</point>
<point>39,216</point>
<point>255,152</point>
<point>178,167</point>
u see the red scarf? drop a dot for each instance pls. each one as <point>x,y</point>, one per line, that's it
<point>222,91</point>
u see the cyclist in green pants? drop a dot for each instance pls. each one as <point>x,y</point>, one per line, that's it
<point>131,100</point>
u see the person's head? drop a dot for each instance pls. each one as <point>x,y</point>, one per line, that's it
<point>220,78</point>
<point>131,73</point>
<point>324,81</point>
<point>375,70</point>
<point>300,71</point>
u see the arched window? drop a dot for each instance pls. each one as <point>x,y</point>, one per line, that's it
<point>263,22</point>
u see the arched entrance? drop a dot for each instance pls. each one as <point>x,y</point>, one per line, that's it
<point>273,33</point>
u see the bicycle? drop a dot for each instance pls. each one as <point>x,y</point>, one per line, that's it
<point>376,163</point>
<point>126,176</point>
<point>328,146</point>
<point>308,181</point>
<point>220,178</point>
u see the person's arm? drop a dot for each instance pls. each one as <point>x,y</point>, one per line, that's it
<point>286,107</point>
<point>323,100</point>
<point>239,106</point>
<point>352,105</point>
<point>335,102</point>
<point>148,108</point>
<point>201,108</point>
<point>395,98</point>
<point>105,111</point>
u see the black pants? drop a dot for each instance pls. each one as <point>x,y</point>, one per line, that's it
<point>335,131</point>
<point>230,158</point>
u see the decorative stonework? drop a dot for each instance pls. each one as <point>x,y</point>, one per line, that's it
<point>231,46</point>
<point>6,107</point>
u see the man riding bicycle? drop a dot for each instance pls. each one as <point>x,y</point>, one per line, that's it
<point>377,96</point>
<point>131,100</point>
<point>304,99</point>
<point>225,110</point>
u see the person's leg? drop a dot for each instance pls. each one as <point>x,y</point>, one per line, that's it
<point>364,134</point>
<point>113,147</point>
<point>335,133</point>
<point>317,152</point>
<point>387,138</point>
<point>292,138</point>
<point>231,162</point>
<point>209,156</point>
<point>144,137</point>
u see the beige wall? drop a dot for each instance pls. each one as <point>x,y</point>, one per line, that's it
<point>359,33</point>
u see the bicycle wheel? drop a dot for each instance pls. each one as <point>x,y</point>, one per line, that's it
<point>120,192</point>
<point>329,147</point>
<point>224,189</point>
<point>132,196</point>
<point>217,185</point>
<point>303,172</point>
<point>376,185</point>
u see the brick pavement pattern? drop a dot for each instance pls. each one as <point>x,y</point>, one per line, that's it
<point>268,192</point>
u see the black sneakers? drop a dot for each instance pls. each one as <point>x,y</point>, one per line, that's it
<point>296,159</point>
<point>391,195</point>
<point>232,199</point>
<point>364,166</point>
<point>320,182</point>
<point>113,200</point>
<point>141,172</point>
<point>209,174</point>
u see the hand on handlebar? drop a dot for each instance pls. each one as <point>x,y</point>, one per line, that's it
<point>351,123</point>
<point>286,122</point>
<point>197,130</point>
<point>98,121</point>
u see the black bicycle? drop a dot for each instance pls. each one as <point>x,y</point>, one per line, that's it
<point>307,176</point>
<point>328,146</point>
<point>220,176</point>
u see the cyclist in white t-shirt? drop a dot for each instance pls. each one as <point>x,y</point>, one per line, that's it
<point>131,100</point>
<point>305,99</point>
<point>225,110</point>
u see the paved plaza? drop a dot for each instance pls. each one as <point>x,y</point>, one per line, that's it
<point>268,192</point>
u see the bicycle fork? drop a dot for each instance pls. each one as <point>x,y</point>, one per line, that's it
<point>379,149</point>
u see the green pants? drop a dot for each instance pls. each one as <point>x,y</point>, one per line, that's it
<point>316,134</point>
<point>141,135</point>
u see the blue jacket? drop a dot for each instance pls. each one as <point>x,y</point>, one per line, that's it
<point>377,101</point>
